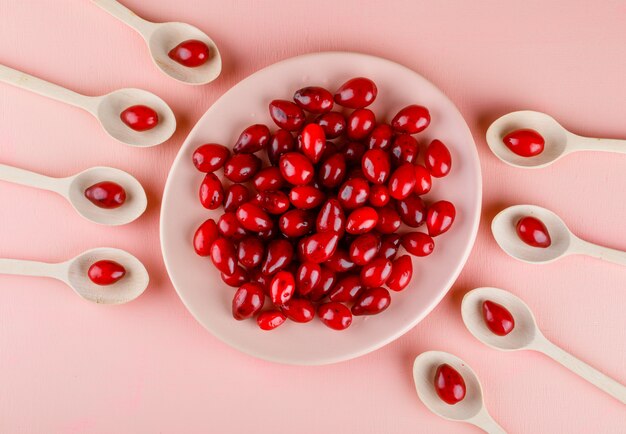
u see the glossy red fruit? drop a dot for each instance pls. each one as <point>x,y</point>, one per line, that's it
<point>361,123</point>
<point>389,246</point>
<point>533,232</point>
<point>252,139</point>
<point>418,243</point>
<point>402,181</point>
<point>340,261</point>
<point>235,196</point>
<point>364,248</point>
<point>380,137</point>
<point>241,167</point>
<point>327,281</point>
<point>238,278</point>
<point>333,123</point>
<point>190,53</point>
<point>281,142</point>
<point>372,301</point>
<point>224,255</point>
<point>140,118</point>
<point>105,272</point>
<point>440,217</point>
<point>211,192</point>
<point>405,149</point>
<point>248,300</point>
<point>299,310</point>
<point>401,273</point>
<point>287,115</point>
<point>296,168</point>
<point>257,276</point>
<point>388,220</point>
<point>330,149</point>
<point>332,171</point>
<point>331,217</point>
<point>411,119</point>
<point>353,153</point>
<point>437,159</point>
<point>296,223</point>
<point>361,220</point>
<point>253,218</point>
<point>314,99</point>
<point>269,178</point>
<point>282,288</point>
<point>449,384</point>
<point>270,319</point>
<point>230,227</point>
<point>273,202</point>
<point>375,273</point>
<point>250,252</point>
<point>524,142</point>
<point>498,319</point>
<point>306,197</point>
<point>412,211</point>
<point>308,276</point>
<point>356,93</point>
<point>347,289</point>
<point>379,195</point>
<point>376,166</point>
<point>205,235</point>
<point>210,157</point>
<point>423,181</point>
<point>321,246</point>
<point>313,142</point>
<point>335,315</point>
<point>279,256</point>
<point>353,193</point>
<point>106,194</point>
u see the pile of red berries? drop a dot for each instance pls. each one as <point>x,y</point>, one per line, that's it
<point>319,233</point>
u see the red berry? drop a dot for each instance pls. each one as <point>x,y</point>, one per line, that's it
<point>250,252</point>
<point>235,196</point>
<point>361,220</point>
<point>296,223</point>
<point>331,217</point>
<point>279,256</point>
<point>332,171</point>
<point>418,243</point>
<point>388,220</point>
<point>340,261</point>
<point>356,93</point>
<point>140,117</point>
<point>282,287</point>
<point>533,232</point>
<point>412,211</point>
<point>105,272</point>
<point>440,217</point>
<point>327,281</point>
<point>380,138</point>
<point>286,114</point>
<point>411,119</point>
<point>498,319</point>
<point>270,319</point>
<point>389,246</point>
<point>248,300</point>
<point>333,124</point>
<point>306,197</point>
<point>347,289</point>
<point>402,181</point>
<point>364,248</point>
<point>211,191</point>
<point>190,53</point>
<point>274,202</point>
<point>353,153</point>
<point>299,310</point>
<point>241,167</point>
<point>205,235</point>
<point>230,227</point>
<point>314,99</point>
<point>313,142</point>
<point>296,168</point>
<point>269,178</point>
<point>449,384</point>
<point>321,246</point>
<point>309,275</point>
<point>372,301</point>
<point>525,142</point>
<point>379,195</point>
<point>253,218</point>
<point>210,157</point>
<point>353,193</point>
<point>405,149</point>
<point>106,194</point>
<point>335,315</point>
<point>281,143</point>
<point>238,278</point>
<point>423,181</point>
<point>376,166</point>
<point>401,273</point>
<point>224,255</point>
<point>252,139</point>
<point>375,273</point>
<point>361,123</point>
<point>437,159</point>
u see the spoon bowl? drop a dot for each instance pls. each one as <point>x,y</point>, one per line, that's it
<point>131,286</point>
<point>504,231</point>
<point>110,107</point>
<point>167,36</point>
<point>523,334</point>
<point>133,207</point>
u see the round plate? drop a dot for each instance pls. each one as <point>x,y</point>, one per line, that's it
<point>199,284</point>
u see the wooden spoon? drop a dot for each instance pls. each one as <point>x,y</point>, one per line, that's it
<point>527,336</point>
<point>73,189</point>
<point>106,108</point>
<point>471,409</point>
<point>74,274</point>
<point>558,141</point>
<point>564,242</point>
<point>162,37</point>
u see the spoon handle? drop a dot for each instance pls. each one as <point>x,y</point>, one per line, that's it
<point>605,145</point>
<point>28,178</point>
<point>29,268</point>
<point>122,13</point>
<point>484,421</point>
<point>601,252</point>
<point>595,377</point>
<point>45,88</point>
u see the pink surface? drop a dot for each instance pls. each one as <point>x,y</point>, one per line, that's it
<point>67,366</point>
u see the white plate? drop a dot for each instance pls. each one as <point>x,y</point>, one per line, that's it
<point>198,283</point>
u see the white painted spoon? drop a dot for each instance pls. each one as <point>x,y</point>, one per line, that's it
<point>471,409</point>
<point>73,189</point>
<point>74,274</point>
<point>106,108</point>
<point>564,242</point>
<point>162,37</point>
<point>558,141</point>
<point>527,336</point>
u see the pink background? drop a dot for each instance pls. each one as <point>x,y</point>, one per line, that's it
<point>68,366</point>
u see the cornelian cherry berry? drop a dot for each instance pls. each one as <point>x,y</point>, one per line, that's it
<point>313,142</point>
<point>533,232</point>
<point>361,220</point>
<point>248,300</point>
<point>238,278</point>
<point>376,166</point>
<point>314,99</point>
<point>440,217</point>
<point>372,301</point>
<point>204,237</point>
<point>411,119</point>
<point>380,138</point>
<point>105,272</point>
<point>333,123</point>
<point>449,384</point>
<point>280,143</point>
<point>252,139</point>
<point>335,315</point>
<point>401,273</point>
<point>308,276</point>
<point>140,117</point>
<point>379,195</point>
<point>224,255</point>
<point>498,319</point>
<point>296,168</point>
<point>332,171</point>
<point>191,53</point>
<point>405,149</point>
<point>279,256</point>
<point>423,180</point>
<point>211,192</point>
<point>241,167</point>
<point>106,194</point>
<point>282,288</point>
<point>235,195</point>
<point>356,93</point>
<point>361,123</point>
<point>375,273</point>
<point>250,251</point>
<point>417,243</point>
<point>296,223</point>
<point>347,289</point>
<point>287,115</point>
<point>437,159</point>
<point>210,157</point>
<point>299,310</point>
<point>524,142</point>
<point>270,319</point>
